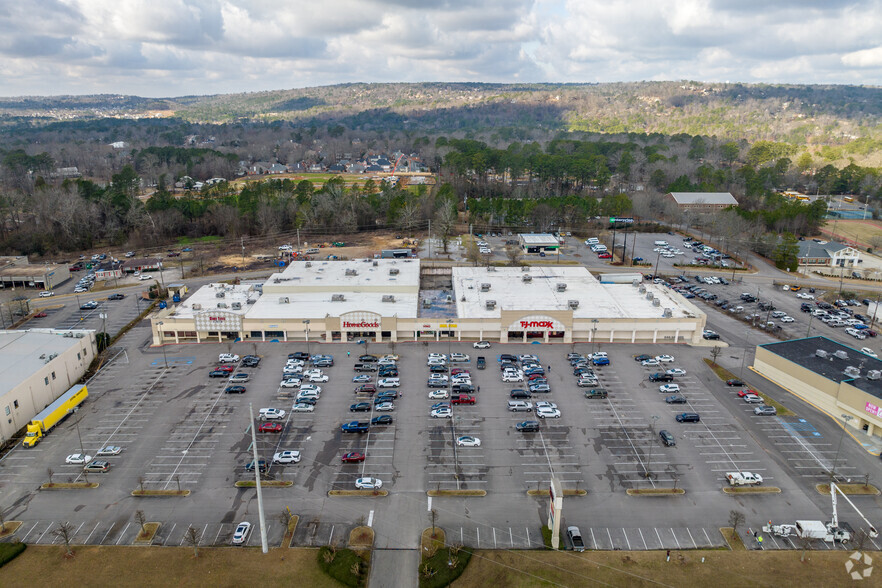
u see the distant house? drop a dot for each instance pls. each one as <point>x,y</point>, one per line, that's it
<point>316,167</point>
<point>278,168</point>
<point>372,169</point>
<point>258,168</point>
<point>356,168</point>
<point>108,270</point>
<point>67,173</point>
<point>702,201</point>
<point>141,264</point>
<point>337,167</point>
<point>119,145</point>
<point>827,254</point>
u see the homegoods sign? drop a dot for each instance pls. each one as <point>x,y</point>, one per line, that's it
<point>360,320</point>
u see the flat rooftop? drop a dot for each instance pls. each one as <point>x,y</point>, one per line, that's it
<point>207,298</point>
<point>541,293</point>
<point>35,271</point>
<point>538,239</point>
<point>803,352</point>
<point>314,305</point>
<point>349,275</point>
<point>20,353</point>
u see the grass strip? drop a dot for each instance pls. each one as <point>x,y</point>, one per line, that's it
<point>160,493</point>
<point>68,485</point>
<point>8,528</point>
<point>733,539</point>
<point>347,566</point>
<point>145,536</point>
<point>372,493</point>
<point>855,489</point>
<point>655,491</point>
<point>751,490</point>
<point>457,493</point>
<point>361,538</point>
<point>289,534</point>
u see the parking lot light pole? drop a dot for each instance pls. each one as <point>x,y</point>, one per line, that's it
<point>846,418</point>
<point>162,343</point>
<point>651,443</point>
<point>306,322</point>
<point>657,257</point>
<point>260,513</point>
<point>594,334</point>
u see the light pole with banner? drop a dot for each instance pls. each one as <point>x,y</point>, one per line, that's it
<point>306,322</point>
<point>162,343</point>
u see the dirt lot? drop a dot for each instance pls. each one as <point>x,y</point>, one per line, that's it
<point>521,569</point>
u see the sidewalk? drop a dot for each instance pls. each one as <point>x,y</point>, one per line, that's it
<point>394,568</point>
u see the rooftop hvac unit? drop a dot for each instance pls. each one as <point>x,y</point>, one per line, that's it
<point>67,334</point>
<point>250,301</point>
<point>650,295</point>
<point>308,264</point>
<point>656,302</point>
<point>485,287</point>
<point>490,304</point>
<point>491,268</point>
<point>635,283</point>
<point>237,306</point>
<point>852,372</point>
<point>427,303</point>
<point>561,287</point>
<point>43,356</point>
<point>52,356</point>
<point>874,375</point>
<point>668,313</point>
<point>282,300</point>
<point>79,335</point>
<point>394,271</point>
<point>821,353</point>
<point>197,306</point>
<point>352,272</point>
<point>388,298</point>
<point>220,295</point>
<point>526,278</point>
<point>222,305</point>
<point>376,264</point>
<point>338,298</point>
<point>642,289</point>
<point>574,304</point>
<point>841,354</point>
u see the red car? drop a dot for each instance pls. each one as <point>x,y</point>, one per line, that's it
<point>41,315</point>
<point>353,457</point>
<point>270,428</point>
<point>225,368</point>
<point>604,256</point>
<point>455,371</point>
<point>745,392</point>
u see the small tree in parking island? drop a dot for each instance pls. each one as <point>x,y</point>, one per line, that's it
<point>65,531</point>
<point>736,518</point>
<point>715,353</point>
<point>192,538</point>
<point>433,517</point>
<point>142,521</point>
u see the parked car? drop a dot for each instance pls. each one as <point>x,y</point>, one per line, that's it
<point>368,483</point>
<point>109,450</point>
<point>270,428</point>
<point>765,410</point>
<point>360,407</point>
<point>352,457</point>
<point>383,419</point>
<point>667,438</point>
<point>468,441</point>
<point>676,399</point>
<point>240,536</point>
<point>481,345</point>
<point>527,426</point>
<point>688,417</point>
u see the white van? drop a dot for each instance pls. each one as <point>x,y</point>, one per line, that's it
<point>520,406</point>
<point>661,243</point>
<point>312,251</point>
<point>592,241</point>
<point>240,378</point>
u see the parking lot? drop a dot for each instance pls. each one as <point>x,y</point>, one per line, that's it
<point>178,428</point>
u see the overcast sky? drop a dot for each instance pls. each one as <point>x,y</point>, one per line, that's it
<point>177,47</point>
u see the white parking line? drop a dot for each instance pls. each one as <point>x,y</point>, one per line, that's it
<point>121,535</point>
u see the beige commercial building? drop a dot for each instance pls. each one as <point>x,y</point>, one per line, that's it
<point>382,300</point>
<point>36,367</point>
<point>840,380</point>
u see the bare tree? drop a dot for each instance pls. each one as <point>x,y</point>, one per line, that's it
<point>736,518</point>
<point>191,537</point>
<point>65,531</point>
<point>513,253</point>
<point>715,353</point>
<point>472,253</point>
<point>142,521</point>
<point>433,517</point>
<point>805,543</point>
<point>51,473</point>
<point>445,221</point>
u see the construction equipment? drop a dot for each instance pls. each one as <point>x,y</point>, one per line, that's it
<point>834,527</point>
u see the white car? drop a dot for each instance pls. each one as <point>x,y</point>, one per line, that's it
<point>512,377</point>
<point>441,413</point>
<point>461,380</point>
<point>752,398</point>
<point>313,372</point>
<point>667,388</point>
<point>676,372</point>
<point>368,483</point>
<point>388,383</point>
<point>384,407</point>
<point>286,457</point>
<point>805,296</point>
<point>143,277</point>
<point>318,378</point>
<point>665,358</point>
<point>78,459</point>
<point>787,319</point>
<point>485,250</point>
<point>481,344</point>
<point>438,395</point>
<point>286,248</point>
<point>550,413</point>
<point>269,414</point>
<point>289,383</point>
<point>109,450</point>
<point>311,388</point>
<point>436,361</point>
<point>46,294</point>
<point>227,358</point>
<point>468,441</point>
<point>303,407</point>
<point>436,356</point>
<point>868,351</point>
<point>459,357</point>
<point>545,404</point>
<point>311,394</point>
<point>438,377</point>
<point>649,362</point>
<point>240,536</point>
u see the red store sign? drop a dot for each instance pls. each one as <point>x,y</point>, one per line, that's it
<point>537,324</point>
<point>216,318</point>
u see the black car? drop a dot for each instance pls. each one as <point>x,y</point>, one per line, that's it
<point>805,307</point>
<point>438,369</point>
<point>464,388</point>
<point>302,355</point>
<point>367,358</point>
<point>661,377</point>
<point>388,373</point>
<point>307,400</point>
<point>234,389</point>
<point>734,382</point>
<point>642,357</point>
<point>386,396</point>
<point>519,393</point>
<point>116,296</point>
<point>676,399</point>
<point>482,363</point>
<point>527,426</point>
<point>250,361</point>
<point>261,465</point>
<point>381,420</point>
<point>323,363</point>
<point>667,438</point>
<point>218,374</point>
<point>360,407</point>
<point>89,305</point>
<point>508,357</point>
<point>688,417</point>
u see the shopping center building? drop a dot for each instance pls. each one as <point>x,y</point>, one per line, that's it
<point>382,300</point>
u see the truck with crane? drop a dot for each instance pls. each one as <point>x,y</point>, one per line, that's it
<point>834,531</point>
<point>66,404</point>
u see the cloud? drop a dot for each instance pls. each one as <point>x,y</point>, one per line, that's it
<point>171,47</point>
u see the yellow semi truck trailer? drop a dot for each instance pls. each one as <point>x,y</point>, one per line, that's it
<point>67,403</point>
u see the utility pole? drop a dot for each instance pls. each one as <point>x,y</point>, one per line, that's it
<point>260,513</point>
<point>243,250</point>
<point>298,238</point>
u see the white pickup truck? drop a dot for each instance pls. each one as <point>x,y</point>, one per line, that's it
<point>744,479</point>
